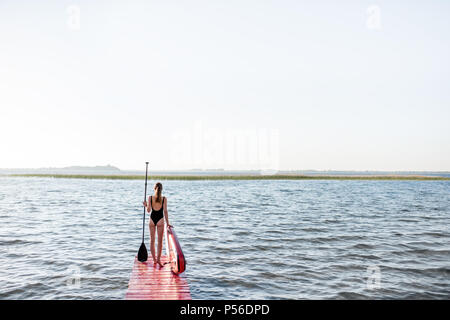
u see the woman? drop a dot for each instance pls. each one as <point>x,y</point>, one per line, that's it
<point>157,204</point>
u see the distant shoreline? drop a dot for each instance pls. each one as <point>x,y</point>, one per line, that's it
<point>234,177</point>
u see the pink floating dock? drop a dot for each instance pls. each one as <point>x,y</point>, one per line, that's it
<point>151,282</point>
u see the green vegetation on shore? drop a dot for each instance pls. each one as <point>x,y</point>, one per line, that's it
<point>234,177</point>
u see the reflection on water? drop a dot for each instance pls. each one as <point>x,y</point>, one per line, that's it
<point>76,239</point>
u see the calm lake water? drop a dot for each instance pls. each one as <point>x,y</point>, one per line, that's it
<point>76,239</point>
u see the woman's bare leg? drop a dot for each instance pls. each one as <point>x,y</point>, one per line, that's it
<point>152,240</point>
<point>160,227</point>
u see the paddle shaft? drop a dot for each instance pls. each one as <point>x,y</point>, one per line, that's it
<point>145,199</point>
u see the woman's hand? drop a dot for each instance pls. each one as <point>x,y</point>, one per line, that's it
<point>144,203</point>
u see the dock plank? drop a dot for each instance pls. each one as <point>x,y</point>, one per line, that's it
<point>152,282</point>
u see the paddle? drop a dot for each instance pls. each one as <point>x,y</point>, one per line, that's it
<point>142,253</point>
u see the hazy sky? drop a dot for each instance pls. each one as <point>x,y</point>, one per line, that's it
<point>343,85</point>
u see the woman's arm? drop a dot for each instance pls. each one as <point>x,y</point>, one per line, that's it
<point>166,213</point>
<point>147,204</point>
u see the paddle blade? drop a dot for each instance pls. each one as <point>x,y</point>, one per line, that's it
<point>142,253</point>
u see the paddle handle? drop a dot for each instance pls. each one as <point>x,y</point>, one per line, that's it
<point>145,199</point>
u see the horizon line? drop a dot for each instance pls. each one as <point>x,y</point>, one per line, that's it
<point>220,169</point>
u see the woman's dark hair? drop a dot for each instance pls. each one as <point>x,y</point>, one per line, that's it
<point>158,188</point>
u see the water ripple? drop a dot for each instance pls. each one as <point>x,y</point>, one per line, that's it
<point>76,239</point>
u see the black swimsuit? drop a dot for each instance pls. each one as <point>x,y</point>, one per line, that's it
<point>156,215</point>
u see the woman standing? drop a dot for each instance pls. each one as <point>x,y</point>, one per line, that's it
<point>157,204</point>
